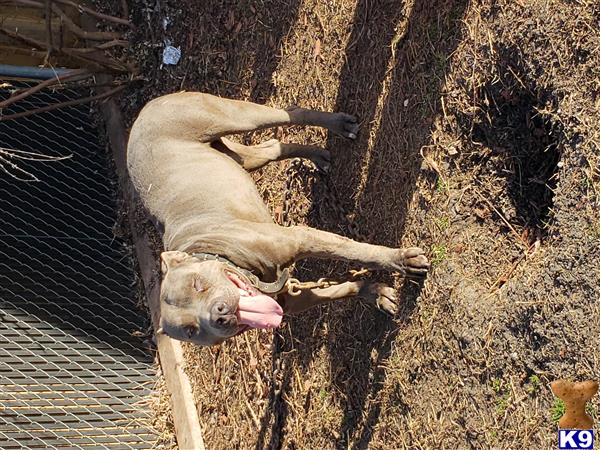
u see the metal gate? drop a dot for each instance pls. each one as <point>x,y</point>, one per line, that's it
<point>73,374</point>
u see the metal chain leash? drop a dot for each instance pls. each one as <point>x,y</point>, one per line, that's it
<point>294,177</point>
<point>293,174</point>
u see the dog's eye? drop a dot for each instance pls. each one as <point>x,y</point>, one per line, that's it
<point>191,331</point>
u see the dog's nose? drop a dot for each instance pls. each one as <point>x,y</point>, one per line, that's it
<point>220,309</point>
<point>221,315</point>
<point>226,321</point>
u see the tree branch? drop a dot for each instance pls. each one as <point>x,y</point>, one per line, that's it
<point>63,104</point>
<point>38,87</point>
<point>98,61</point>
<point>98,15</point>
<point>91,35</point>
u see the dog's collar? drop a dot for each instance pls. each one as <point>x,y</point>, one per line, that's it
<point>273,288</point>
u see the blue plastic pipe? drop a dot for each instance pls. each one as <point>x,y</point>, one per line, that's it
<point>37,73</point>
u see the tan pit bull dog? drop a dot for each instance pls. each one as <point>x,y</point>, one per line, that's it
<point>223,252</point>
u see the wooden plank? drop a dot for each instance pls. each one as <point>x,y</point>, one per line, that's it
<point>185,414</point>
<point>35,28</point>
<point>30,22</point>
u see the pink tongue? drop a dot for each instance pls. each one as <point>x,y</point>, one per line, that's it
<point>259,311</point>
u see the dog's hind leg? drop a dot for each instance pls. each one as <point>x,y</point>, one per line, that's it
<point>204,117</point>
<point>256,156</point>
<point>384,297</point>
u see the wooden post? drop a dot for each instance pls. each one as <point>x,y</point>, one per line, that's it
<point>185,414</point>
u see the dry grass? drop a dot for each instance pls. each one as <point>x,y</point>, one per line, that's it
<point>468,111</point>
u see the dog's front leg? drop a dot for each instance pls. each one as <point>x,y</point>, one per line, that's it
<point>288,244</point>
<point>324,245</point>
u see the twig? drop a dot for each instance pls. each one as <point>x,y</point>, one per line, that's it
<point>8,153</point>
<point>58,78</point>
<point>503,220</point>
<point>99,60</point>
<point>63,104</point>
<point>252,414</point>
<point>76,85</point>
<point>114,43</point>
<point>4,162</point>
<point>31,156</point>
<point>96,60</point>
<point>504,277</point>
<point>105,46</point>
<point>94,13</point>
<point>91,35</point>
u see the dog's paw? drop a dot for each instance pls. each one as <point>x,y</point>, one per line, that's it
<point>321,159</point>
<point>412,261</point>
<point>345,125</point>
<point>383,296</point>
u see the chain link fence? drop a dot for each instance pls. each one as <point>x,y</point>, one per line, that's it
<point>73,371</point>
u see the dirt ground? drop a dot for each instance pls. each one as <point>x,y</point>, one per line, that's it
<point>480,142</point>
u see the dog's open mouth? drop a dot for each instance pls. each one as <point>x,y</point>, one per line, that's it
<point>255,309</point>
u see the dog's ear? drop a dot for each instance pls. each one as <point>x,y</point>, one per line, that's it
<point>172,259</point>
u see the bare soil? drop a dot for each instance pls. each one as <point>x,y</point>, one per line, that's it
<point>480,142</point>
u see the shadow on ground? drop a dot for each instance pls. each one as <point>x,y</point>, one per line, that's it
<point>518,141</point>
<point>391,80</point>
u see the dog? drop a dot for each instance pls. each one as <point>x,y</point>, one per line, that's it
<point>224,261</point>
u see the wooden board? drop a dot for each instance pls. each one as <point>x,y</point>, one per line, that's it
<point>185,415</point>
<point>31,22</point>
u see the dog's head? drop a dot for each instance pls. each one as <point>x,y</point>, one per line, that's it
<point>206,302</point>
